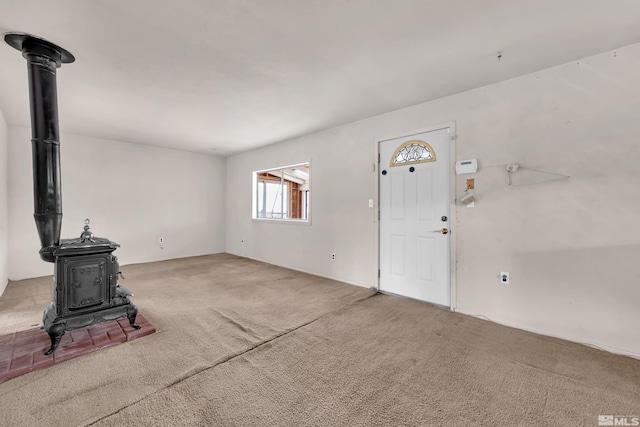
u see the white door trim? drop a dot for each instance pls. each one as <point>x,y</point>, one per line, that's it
<point>452,203</point>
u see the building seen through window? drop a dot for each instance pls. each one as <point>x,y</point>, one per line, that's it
<point>283,193</point>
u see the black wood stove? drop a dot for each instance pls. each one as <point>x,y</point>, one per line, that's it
<point>86,287</point>
<point>86,271</point>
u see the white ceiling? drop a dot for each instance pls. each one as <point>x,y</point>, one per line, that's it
<point>224,76</point>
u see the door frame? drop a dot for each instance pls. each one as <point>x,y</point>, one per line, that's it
<point>453,288</point>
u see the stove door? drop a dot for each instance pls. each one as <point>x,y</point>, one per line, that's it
<point>85,282</point>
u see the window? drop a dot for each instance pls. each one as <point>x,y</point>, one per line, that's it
<point>414,151</point>
<point>282,193</point>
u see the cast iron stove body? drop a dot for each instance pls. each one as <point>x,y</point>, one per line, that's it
<point>86,285</point>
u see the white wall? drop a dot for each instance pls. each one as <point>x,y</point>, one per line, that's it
<point>342,181</point>
<point>4,224</point>
<point>571,246</point>
<point>132,193</point>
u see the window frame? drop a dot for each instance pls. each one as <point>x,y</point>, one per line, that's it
<point>254,198</point>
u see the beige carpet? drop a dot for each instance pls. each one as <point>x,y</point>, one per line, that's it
<point>242,343</point>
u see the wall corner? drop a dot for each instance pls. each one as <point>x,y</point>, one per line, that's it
<point>4,208</point>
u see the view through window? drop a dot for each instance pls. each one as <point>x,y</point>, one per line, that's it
<point>282,193</point>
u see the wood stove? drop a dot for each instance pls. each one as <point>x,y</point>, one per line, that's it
<point>86,288</point>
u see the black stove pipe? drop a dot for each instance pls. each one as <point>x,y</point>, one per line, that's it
<point>43,58</point>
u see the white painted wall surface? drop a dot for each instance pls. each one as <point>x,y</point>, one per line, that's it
<point>341,182</point>
<point>571,246</point>
<point>132,193</point>
<point>4,213</point>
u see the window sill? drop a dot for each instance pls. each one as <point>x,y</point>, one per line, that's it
<point>283,221</point>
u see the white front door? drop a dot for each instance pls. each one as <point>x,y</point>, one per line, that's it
<point>414,216</point>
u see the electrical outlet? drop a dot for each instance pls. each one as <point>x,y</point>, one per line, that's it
<point>333,257</point>
<point>161,240</point>
<point>504,277</point>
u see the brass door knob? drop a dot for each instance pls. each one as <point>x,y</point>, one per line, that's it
<point>442,231</point>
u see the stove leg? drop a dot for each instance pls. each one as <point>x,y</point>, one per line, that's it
<point>132,312</point>
<point>55,334</point>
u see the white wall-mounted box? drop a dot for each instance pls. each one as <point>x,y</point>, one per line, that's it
<point>466,166</point>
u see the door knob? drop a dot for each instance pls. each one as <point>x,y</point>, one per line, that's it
<point>442,231</point>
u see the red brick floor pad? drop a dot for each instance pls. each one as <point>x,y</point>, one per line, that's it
<point>23,352</point>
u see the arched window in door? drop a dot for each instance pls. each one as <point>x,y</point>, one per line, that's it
<point>414,151</point>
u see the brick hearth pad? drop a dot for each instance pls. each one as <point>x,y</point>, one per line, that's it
<point>23,352</point>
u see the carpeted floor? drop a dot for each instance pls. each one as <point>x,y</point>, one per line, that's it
<point>242,343</point>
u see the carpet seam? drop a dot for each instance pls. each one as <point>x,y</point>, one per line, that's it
<point>233,356</point>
